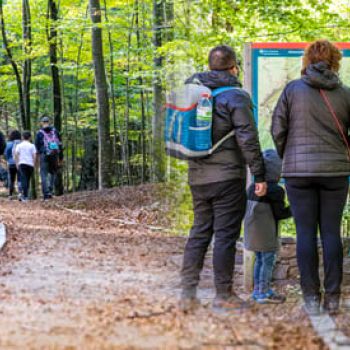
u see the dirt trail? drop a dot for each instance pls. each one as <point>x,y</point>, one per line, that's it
<point>93,271</point>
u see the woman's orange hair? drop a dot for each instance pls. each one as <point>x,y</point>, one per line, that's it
<point>322,51</point>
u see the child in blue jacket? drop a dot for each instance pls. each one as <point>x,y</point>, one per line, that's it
<point>13,174</point>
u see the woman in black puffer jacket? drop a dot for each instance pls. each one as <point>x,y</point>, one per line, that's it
<point>310,129</point>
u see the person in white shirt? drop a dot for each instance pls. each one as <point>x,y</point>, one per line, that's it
<point>25,157</point>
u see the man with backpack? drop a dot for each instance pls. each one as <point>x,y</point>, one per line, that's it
<point>49,146</point>
<point>218,182</point>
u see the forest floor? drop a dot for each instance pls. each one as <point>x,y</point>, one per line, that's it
<point>97,271</point>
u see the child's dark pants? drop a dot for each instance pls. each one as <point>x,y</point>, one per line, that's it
<point>26,172</point>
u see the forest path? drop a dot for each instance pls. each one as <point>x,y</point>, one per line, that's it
<point>90,271</point>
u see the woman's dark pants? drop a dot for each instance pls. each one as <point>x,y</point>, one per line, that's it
<point>318,203</point>
<point>13,174</point>
<point>218,210</point>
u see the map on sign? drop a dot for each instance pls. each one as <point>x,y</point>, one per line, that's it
<point>273,66</point>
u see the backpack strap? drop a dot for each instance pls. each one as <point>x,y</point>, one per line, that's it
<point>337,122</point>
<point>220,90</point>
<point>220,142</point>
<point>44,132</point>
<point>215,93</point>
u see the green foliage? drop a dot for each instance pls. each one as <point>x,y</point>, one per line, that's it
<point>200,25</point>
<point>187,35</point>
<point>179,204</point>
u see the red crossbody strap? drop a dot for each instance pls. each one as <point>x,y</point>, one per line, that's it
<point>336,120</point>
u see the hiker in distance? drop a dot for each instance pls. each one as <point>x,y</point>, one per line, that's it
<point>218,183</point>
<point>14,140</point>
<point>310,128</point>
<point>25,156</point>
<point>49,145</point>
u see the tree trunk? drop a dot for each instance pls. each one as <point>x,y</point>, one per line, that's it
<point>125,147</point>
<point>6,116</point>
<point>76,110</point>
<point>104,149</point>
<point>56,87</point>
<point>27,64</point>
<point>169,18</point>
<point>158,168</point>
<point>215,19</point>
<point>89,166</point>
<point>143,114</point>
<point>14,65</point>
<point>27,75</point>
<point>187,18</point>
<point>114,106</point>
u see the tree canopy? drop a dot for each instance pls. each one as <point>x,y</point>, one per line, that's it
<point>147,45</point>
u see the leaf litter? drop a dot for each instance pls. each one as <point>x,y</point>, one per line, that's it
<point>94,270</point>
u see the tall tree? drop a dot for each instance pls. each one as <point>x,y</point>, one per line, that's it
<point>27,73</point>
<point>27,63</point>
<point>76,106</point>
<point>9,56</point>
<point>52,17</point>
<point>103,110</point>
<point>142,98</point>
<point>158,100</point>
<point>111,82</point>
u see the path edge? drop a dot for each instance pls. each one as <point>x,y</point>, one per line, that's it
<point>3,235</point>
<point>328,331</point>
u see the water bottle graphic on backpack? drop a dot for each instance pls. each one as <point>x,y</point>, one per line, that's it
<point>51,142</point>
<point>188,124</point>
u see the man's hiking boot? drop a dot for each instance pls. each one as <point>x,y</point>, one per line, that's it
<point>187,305</point>
<point>331,304</point>
<point>270,297</point>
<point>188,301</point>
<point>229,302</point>
<point>312,305</point>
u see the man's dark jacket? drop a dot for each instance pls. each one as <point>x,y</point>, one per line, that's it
<point>232,110</point>
<point>303,129</point>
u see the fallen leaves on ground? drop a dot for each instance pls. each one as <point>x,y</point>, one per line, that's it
<point>94,270</point>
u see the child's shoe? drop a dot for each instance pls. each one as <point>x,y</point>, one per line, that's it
<point>270,297</point>
<point>255,295</point>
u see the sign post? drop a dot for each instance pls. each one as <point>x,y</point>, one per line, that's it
<point>268,67</point>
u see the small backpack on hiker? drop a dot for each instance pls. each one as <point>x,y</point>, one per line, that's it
<point>51,142</point>
<point>188,124</point>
